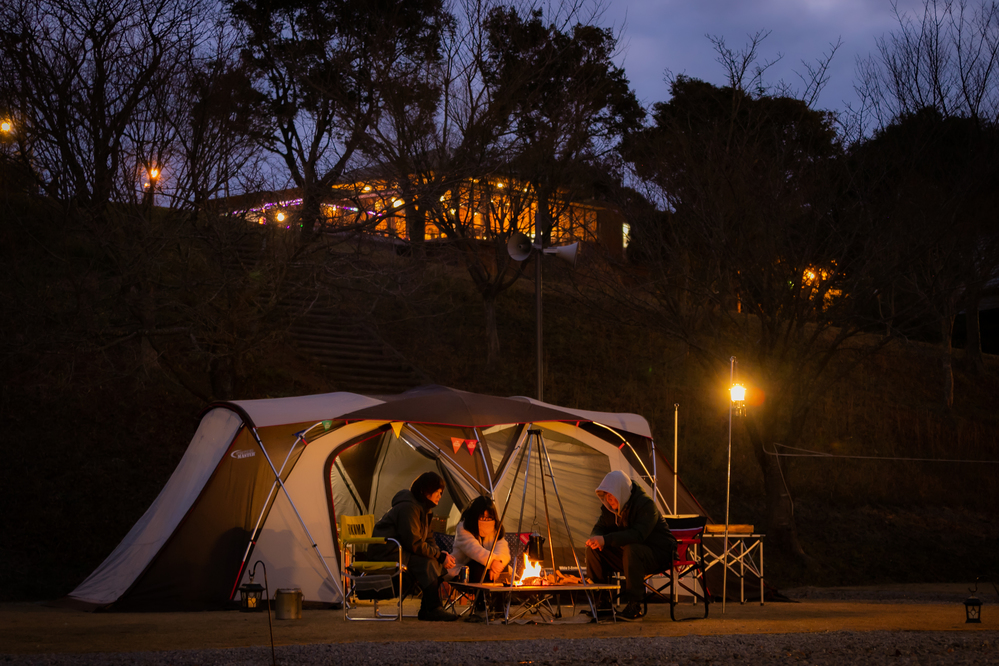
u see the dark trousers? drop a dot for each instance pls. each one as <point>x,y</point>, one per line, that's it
<point>426,573</point>
<point>635,561</point>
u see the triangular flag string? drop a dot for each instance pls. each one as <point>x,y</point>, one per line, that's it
<point>456,443</point>
<point>470,443</point>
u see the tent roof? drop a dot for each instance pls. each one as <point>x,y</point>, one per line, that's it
<point>428,404</point>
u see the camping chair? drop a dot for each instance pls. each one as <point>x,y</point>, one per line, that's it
<point>687,570</point>
<point>368,580</point>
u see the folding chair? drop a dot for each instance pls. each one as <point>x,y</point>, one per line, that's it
<point>687,571</point>
<point>368,580</point>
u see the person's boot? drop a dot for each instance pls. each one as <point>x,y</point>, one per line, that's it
<point>633,612</point>
<point>431,609</point>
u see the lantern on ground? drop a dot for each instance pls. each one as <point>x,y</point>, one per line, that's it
<point>973,610</point>
<point>251,597</point>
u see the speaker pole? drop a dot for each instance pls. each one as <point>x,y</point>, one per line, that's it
<point>537,298</point>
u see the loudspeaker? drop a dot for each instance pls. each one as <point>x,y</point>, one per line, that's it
<point>565,252</point>
<point>519,246</point>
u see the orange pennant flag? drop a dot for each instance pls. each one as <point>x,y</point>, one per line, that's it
<point>456,442</point>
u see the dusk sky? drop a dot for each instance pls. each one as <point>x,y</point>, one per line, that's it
<point>661,34</point>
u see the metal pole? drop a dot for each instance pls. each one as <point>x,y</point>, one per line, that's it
<point>551,472</point>
<point>544,496</point>
<point>527,476</point>
<point>728,486</point>
<point>676,462</point>
<point>537,298</point>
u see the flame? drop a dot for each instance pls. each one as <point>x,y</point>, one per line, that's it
<point>531,570</point>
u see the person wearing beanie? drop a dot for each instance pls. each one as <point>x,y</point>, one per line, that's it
<point>408,521</point>
<point>630,537</point>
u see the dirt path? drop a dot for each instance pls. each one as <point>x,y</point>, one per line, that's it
<point>32,628</point>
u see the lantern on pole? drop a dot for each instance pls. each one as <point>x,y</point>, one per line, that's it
<point>736,407</point>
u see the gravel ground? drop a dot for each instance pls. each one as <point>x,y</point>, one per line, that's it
<point>853,648</point>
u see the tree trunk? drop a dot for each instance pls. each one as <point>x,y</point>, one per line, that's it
<point>492,331</point>
<point>222,376</point>
<point>782,531</point>
<point>310,215</point>
<point>973,348</point>
<point>947,357</point>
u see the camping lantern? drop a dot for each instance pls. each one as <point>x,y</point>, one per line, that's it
<point>973,610</point>
<point>738,392</point>
<point>250,596</point>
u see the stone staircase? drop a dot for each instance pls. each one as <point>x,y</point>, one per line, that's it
<point>353,357</point>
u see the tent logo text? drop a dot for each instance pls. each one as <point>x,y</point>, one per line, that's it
<point>242,454</point>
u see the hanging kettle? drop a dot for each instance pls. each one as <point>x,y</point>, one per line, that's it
<point>535,547</point>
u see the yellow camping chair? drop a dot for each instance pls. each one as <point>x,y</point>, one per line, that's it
<point>363,579</point>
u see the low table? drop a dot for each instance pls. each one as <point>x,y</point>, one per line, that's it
<point>743,540</point>
<point>535,599</point>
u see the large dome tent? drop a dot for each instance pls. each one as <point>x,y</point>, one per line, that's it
<point>266,480</point>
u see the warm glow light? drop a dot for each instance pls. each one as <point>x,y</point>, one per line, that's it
<point>367,188</point>
<point>262,220</point>
<point>396,203</point>
<point>280,217</point>
<point>154,174</point>
<point>6,126</point>
<point>531,570</point>
<point>738,392</point>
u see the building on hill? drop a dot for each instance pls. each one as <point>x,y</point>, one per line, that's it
<point>478,209</point>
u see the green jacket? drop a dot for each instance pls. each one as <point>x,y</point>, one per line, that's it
<point>640,522</point>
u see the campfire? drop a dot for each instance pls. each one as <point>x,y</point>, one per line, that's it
<point>531,574</point>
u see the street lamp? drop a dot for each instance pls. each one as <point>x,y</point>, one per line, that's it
<point>737,407</point>
<point>6,127</point>
<point>153,176</point>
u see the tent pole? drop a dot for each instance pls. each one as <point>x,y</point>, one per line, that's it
<point>294,508</point>
<point>657,495</point>
<point>676,460</point>
<point>426,441</point>
<point>565,519</point>
<point>260,520</point>
<point>485,462</point>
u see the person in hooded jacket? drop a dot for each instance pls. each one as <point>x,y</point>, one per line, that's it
<point>630,536</point>
<point>408,521</point>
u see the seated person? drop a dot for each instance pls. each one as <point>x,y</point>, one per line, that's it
<point>477,531</point>
<point>630,537</point>
<point>408,521</point>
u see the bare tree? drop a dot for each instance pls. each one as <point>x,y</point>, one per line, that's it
<point>323,70</point>
<point>755,251</point>
<point>936,71</point>
<point>519,107</point>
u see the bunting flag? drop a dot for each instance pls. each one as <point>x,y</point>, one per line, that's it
<point>471,443</point>
<point>456,442</point>
<point>397,428</point>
